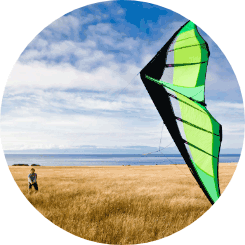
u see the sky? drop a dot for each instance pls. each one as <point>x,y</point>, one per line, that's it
<point>75,88</point>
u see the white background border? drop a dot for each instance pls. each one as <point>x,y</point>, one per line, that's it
<point>21,21</point>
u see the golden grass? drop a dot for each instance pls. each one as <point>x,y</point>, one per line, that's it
<point>119,205</point>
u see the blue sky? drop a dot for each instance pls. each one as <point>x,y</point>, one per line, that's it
<point>71,89</point>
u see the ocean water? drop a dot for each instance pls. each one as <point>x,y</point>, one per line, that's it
<point>103,159</point>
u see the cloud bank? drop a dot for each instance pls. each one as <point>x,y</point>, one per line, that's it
<point>75,84</point>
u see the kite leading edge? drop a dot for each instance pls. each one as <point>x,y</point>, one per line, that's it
<point>180,101</point>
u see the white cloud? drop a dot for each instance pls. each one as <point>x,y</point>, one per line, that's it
<point>48,65</point>
<point>121,11</point>
<point>62,49</point>
<point>55,118</point>
<point>65,25</point>
<point>90,17</point>
<point>104,34</point>
<point>38,43</point>
<point>38,74</point>
<point>226,111</point>
<point>36,127</point>
<point>21,105</point>
<point>228,105</point>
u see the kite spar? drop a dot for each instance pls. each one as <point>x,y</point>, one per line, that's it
<point>181,104</point>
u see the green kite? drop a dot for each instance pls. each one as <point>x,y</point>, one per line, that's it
<point>180,102</point>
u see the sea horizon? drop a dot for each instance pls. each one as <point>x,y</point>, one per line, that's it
<point>102,159</point>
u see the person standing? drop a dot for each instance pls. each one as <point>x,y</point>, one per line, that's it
<point>32,180</point>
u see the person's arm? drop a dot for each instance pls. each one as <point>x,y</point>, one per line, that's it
<point>29,179</point>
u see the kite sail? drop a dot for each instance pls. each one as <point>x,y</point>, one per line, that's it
<point>175,81</point>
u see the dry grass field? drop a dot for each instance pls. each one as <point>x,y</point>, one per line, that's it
<point>119,205</point>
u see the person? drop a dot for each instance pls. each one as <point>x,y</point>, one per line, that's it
<point>32,180</point>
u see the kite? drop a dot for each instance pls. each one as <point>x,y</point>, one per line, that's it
<point>175,81</point>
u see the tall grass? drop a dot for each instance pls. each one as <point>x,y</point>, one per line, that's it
<point>119,205</point>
